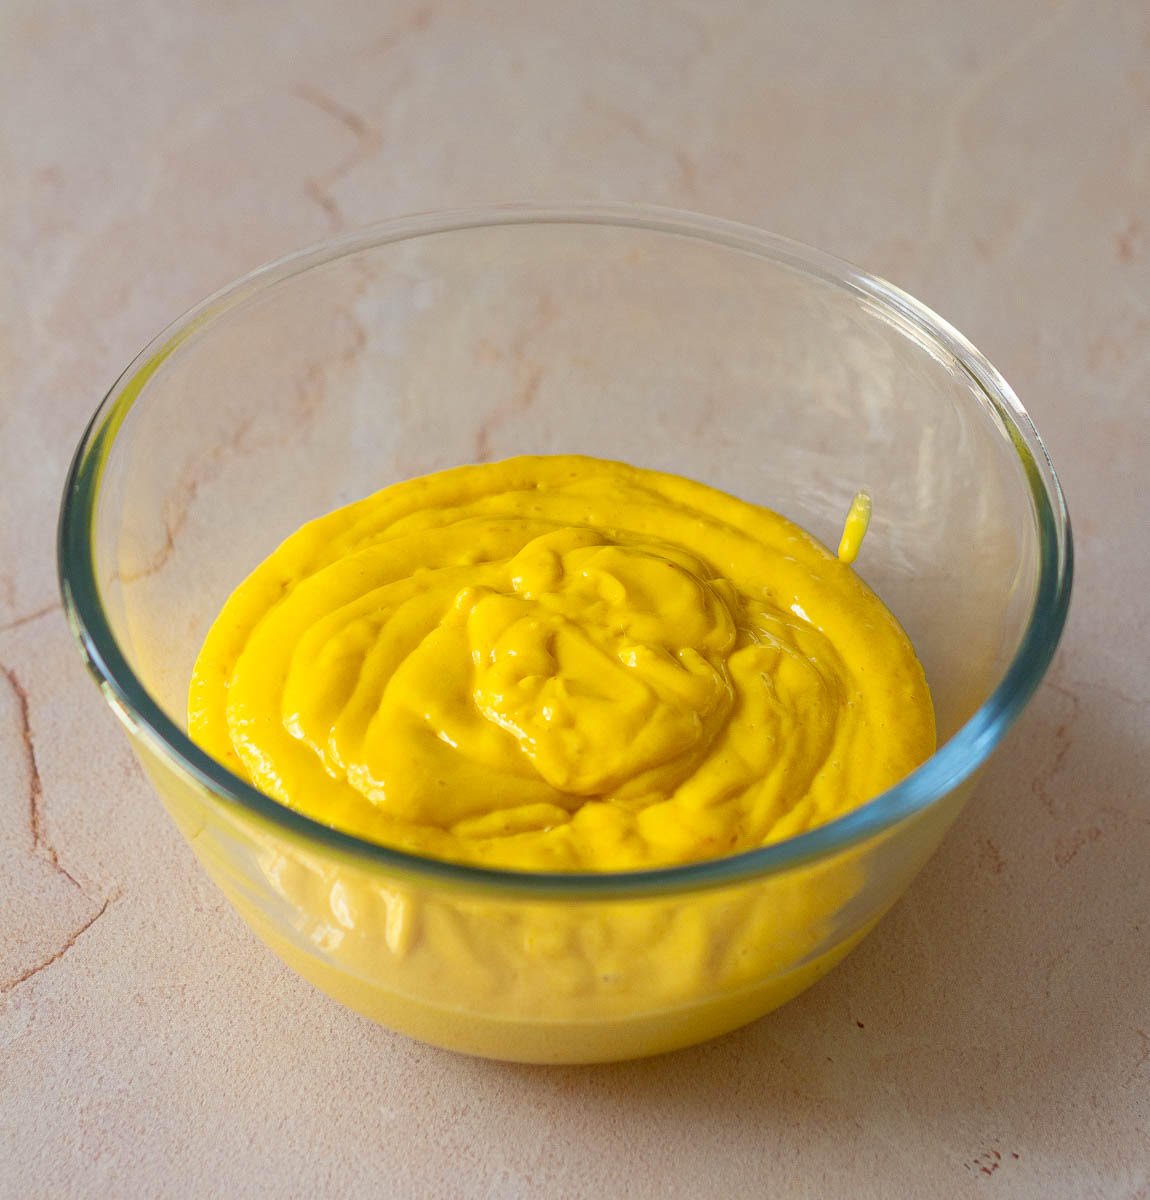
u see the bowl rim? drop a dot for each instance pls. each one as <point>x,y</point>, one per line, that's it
<point>963,753</point>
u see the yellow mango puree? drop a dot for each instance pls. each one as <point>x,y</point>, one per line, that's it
<point>562,664</point>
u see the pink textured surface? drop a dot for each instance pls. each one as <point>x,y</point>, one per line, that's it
<point>994,1034</point>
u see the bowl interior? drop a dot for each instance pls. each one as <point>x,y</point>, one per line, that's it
<point>743,363</point>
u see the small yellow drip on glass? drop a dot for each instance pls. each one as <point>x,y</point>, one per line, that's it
<point>854,530</point>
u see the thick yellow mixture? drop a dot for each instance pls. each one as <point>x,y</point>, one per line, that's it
<point>562,663</point>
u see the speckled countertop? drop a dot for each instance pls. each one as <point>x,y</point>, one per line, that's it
<point>993,1037</point>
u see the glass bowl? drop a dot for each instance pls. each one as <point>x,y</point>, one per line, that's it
<point>671,341</point>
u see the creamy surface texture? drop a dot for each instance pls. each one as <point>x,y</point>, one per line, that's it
<point>561,663</point>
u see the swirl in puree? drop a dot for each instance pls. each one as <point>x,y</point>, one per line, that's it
<point>561,663</point>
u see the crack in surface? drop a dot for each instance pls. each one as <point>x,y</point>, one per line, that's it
<point>685,167</point>
<point>368,139</point>
<point>1107,689</point>
<point>326,201</point>
<point>1066,848</point>
<point>243,439</point>
<point>310,389</point>
<point>1062,744</point>
<point>41,844</point>
<point>1128,242</point>
<point>415,22</point>
<point>529,375</point>
<point>178,505</point>
<point>28,618</point>
<point>11,984</point>
<point>519,403</point>
<point>1144,1053</point>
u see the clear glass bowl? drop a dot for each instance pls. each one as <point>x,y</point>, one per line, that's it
<point>671,341</point>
